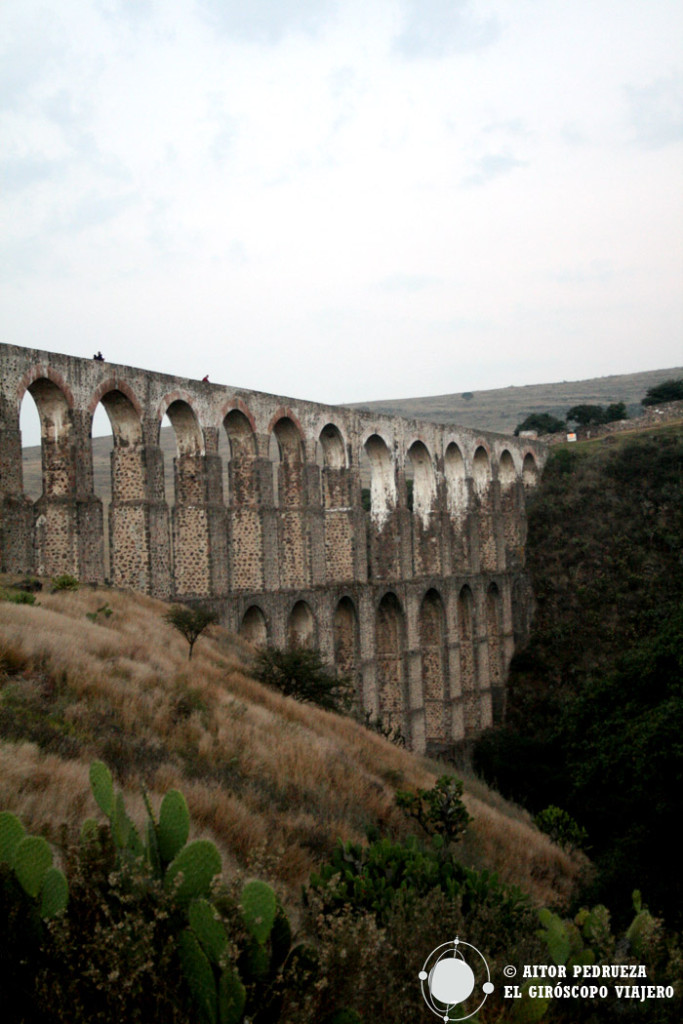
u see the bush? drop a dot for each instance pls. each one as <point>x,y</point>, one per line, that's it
<point>299,672</point>
<point>378,877</point>
<point>64,582</point>
<point>440,810</point>
<point>561,828</point>
<point>17,597</point>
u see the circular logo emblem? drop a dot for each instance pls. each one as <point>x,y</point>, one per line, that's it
<point>455,980</point>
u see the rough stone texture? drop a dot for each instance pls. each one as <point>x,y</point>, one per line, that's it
<point>420,605</point>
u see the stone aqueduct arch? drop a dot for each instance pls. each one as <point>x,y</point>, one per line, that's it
<point>419,602</point>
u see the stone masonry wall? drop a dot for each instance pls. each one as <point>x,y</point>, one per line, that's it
<point>420,603</point>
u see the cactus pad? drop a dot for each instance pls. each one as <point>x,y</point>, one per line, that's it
<point>32,858</point>
<point>259,907</point>
<point>199,976</point>
<point>11,834</point>
<point>199,863</point>
<point>555,935</point>
<point>102,787</point>
<point>208,928</point>
<point>231,997</point>
<point>54,893</point>
<point>174,825</point>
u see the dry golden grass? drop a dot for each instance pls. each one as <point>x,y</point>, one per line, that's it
<point>272,781</point>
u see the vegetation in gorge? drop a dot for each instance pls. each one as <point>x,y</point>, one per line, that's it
<point>595,705</point>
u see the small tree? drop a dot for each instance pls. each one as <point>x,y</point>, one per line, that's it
<point>191,622</point>
<point>543,422</point>
<point>668,391</point>
<point>586,415</point>
<point>299,672</point>
<point>616,411</point>
<point>439,810</point>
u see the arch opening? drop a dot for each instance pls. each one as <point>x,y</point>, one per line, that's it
<point>506,471</point>
<point>424,481</point>
<point>254,628</point>
<point>432,630</point>
<point>481,471</point>
<point>389,643</point>
<point>494,631</point>
<point>529,471</point>
<point>119,482</point>
<point>382,479</point>
<point>334,477</point>
<point>468,666</point>
<point>301,628</point>
<point>346,641</point>
<point>241,451</point>
<point>456,480</point>
<point>288,465</point>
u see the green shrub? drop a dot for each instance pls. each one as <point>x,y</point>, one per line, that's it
<point>376,877</point>
<point>561,828</point>
<point>17,596</point>
<point>440,810</point>
<point>64,582</point>
<point>299,672</point>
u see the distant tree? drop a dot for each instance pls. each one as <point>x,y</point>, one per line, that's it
<point>467,395</point>
<point>543,423</point>
<point>616,411</point>
<point>587,415</point>
<point>299,672</point>
<point>668,391</point>
<point>191,622</point>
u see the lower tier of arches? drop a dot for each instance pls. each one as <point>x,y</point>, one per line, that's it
<point>428,656</point>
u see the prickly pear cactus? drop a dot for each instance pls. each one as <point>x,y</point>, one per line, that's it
<point>199,976</point>
<point>198,863</point>
<point>54,893</point>
<point>232,997</point>
<point>555,936</point>
<point>102,787</point>
<point>11,833</point>
<point>174,825</point>
<point>259,907</point>
<point>208,929</point>
<point>30,857</point>
<point>643,928</point>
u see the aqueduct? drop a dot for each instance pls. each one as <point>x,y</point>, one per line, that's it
<point>420,597</point>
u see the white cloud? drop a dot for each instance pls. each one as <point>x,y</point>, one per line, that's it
<point>282,194</point>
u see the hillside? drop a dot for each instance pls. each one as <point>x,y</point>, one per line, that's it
<point>501,409</point>
<point>275,782</point>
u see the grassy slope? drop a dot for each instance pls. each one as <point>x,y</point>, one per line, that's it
<point>274,782</point>
<point>501,409</point>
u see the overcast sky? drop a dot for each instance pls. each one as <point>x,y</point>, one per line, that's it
<point>347,200</point>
